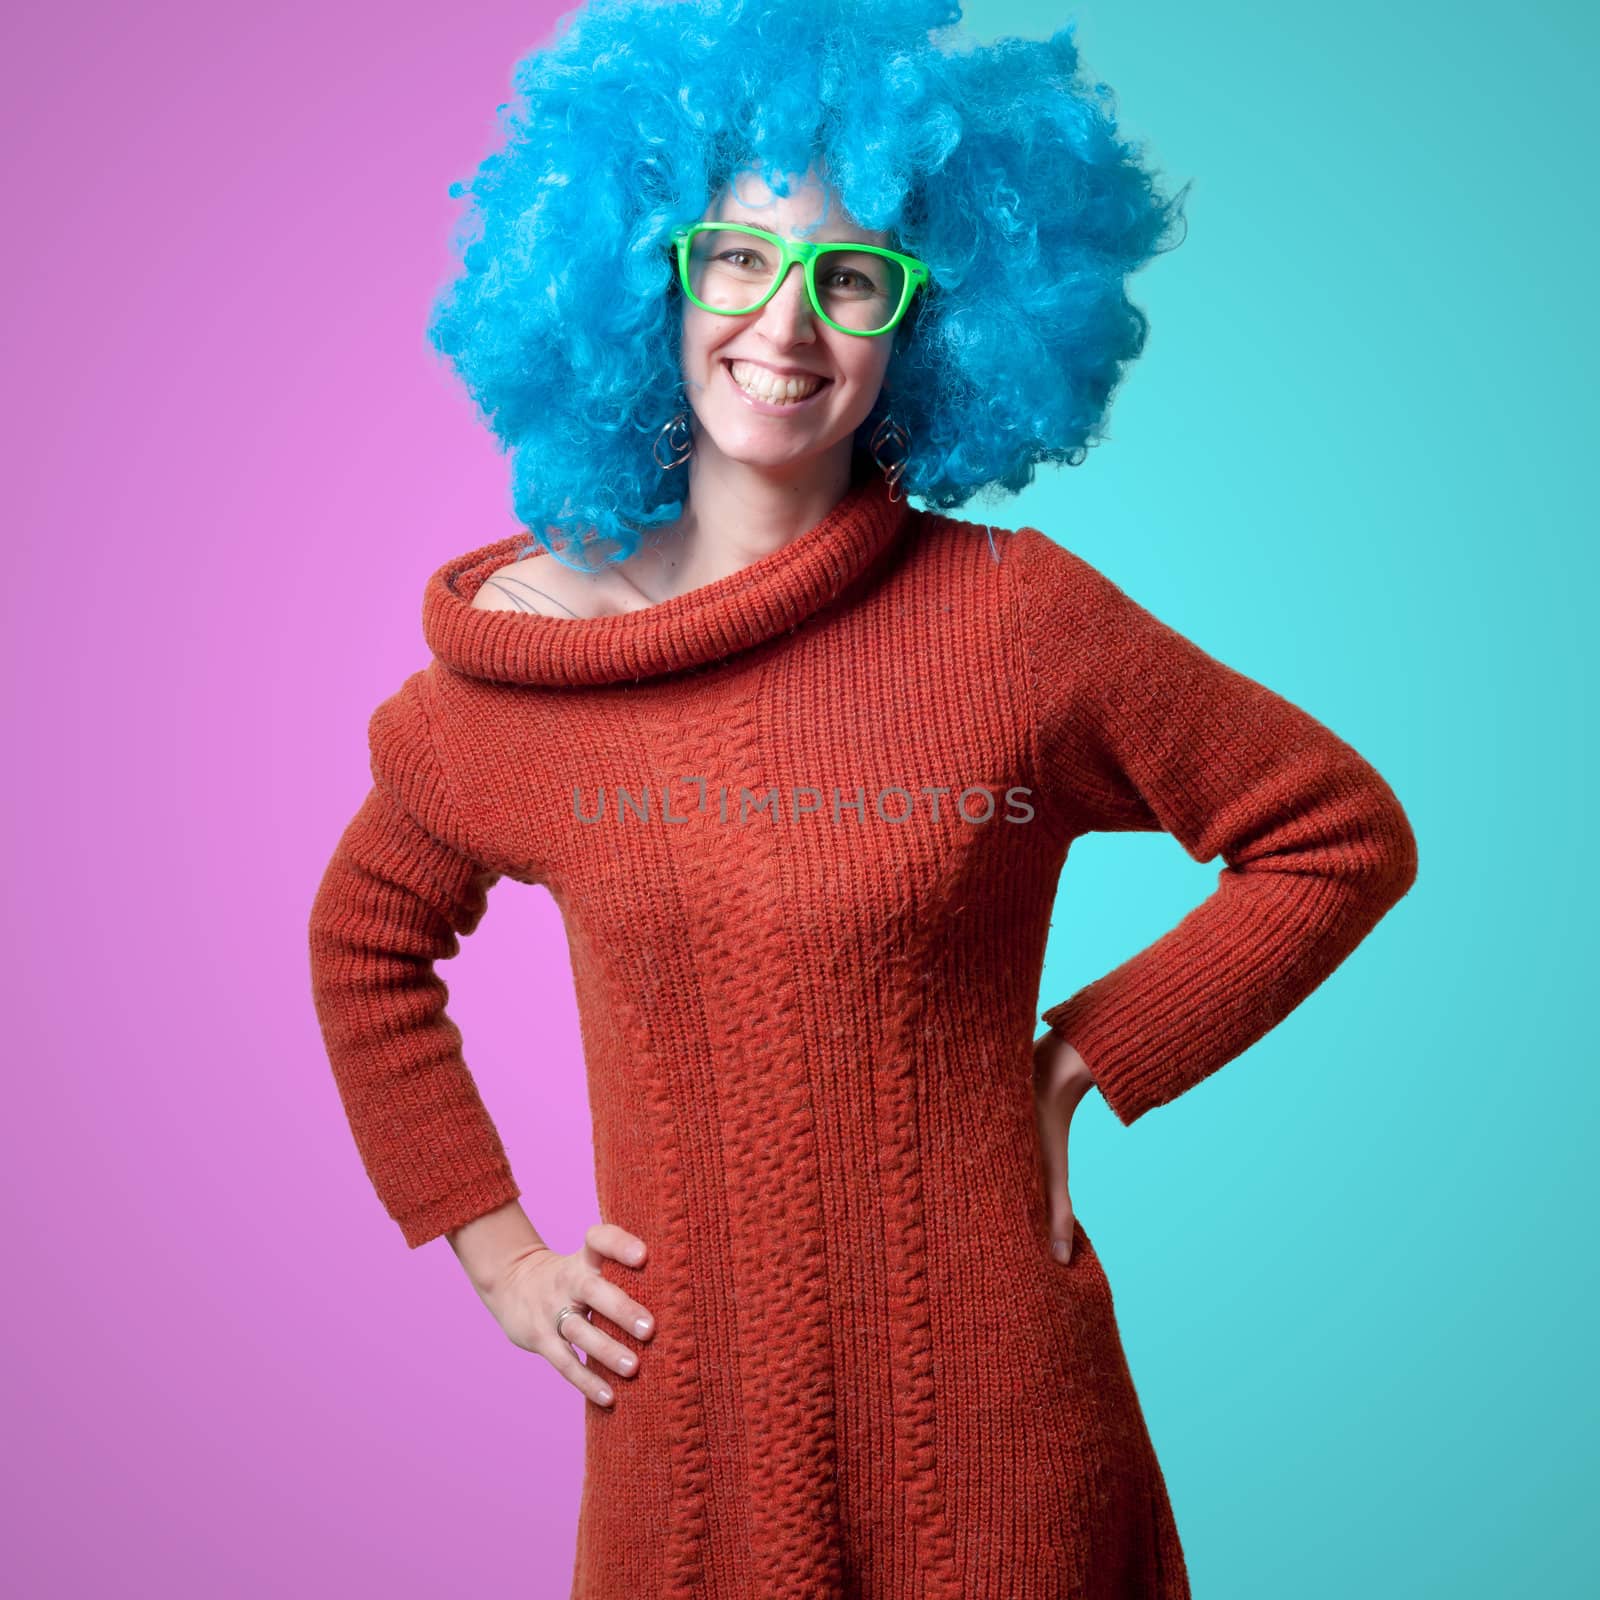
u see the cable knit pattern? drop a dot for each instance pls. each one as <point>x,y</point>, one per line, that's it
<point>805,827</point>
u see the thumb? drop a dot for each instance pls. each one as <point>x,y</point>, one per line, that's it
<point>1061,1225</point>
<point>1058,1200</point>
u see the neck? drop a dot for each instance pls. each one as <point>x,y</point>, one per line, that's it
<point>735,513</point>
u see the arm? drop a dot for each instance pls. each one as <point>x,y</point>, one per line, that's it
<point>490,1246</point>
<point>400,889</point>
<point>1139,728</point>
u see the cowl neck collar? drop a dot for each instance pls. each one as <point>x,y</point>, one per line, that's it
<point>774,594</point>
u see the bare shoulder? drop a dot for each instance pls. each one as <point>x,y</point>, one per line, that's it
<point>541,584</point>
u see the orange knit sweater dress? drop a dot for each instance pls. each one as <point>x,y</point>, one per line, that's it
<point>805,826</point>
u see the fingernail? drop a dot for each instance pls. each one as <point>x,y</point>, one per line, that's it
<point>605,1395</point>
<point>1061,1250</point>
<point>642,1326</point>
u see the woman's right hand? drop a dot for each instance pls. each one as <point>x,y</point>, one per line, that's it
<point>532,1289</point>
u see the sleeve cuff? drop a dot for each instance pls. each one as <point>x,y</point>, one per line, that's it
<point>459,1207</point>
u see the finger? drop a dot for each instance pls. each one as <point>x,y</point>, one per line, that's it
<point>599,1346</point>
<point>592,1385</point>
<point>611,1239</point>
<point>607,1241</point>
<point>614,1302</point>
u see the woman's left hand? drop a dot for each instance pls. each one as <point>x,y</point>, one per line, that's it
<point>1060,1081</point>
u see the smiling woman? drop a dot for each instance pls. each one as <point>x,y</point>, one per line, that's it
<point>836,256</point>
<point>770,348</point>
<point>999,172</point>
<point>772,326</point>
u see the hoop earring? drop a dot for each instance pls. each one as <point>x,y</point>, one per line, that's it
<point>889,431</point>
<point>678,438</point>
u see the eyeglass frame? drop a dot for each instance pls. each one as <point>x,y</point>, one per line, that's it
<point>804,251</point>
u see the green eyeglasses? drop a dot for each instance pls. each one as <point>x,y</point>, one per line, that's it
<point>733,269</point>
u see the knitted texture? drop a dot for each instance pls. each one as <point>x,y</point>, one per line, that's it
<point>805,826</point>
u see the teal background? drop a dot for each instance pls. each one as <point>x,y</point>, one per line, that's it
<point>1353,1269</point>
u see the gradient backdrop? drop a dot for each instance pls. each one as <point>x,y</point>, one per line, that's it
<point>1354,1270</point>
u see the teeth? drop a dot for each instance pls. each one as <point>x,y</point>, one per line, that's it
<point>766,385</point>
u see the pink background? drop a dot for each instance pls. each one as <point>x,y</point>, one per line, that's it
<point>236,463</point>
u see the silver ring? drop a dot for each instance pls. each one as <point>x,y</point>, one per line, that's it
<point>565,1311</point>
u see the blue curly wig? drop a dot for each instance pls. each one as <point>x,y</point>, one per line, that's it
<point>995,164</point>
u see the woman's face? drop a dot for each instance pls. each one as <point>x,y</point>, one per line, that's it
<point>784,338</point>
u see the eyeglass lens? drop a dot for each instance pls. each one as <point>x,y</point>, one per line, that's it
<point>730,271</point>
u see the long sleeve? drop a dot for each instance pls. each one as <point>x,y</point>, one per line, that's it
<point>1140,729</point>
<point>400,889</point>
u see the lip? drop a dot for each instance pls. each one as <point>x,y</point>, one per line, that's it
<point>766,407</point>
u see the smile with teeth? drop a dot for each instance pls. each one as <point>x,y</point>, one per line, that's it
<point>769,386</point>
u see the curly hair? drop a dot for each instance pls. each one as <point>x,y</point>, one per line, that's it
<point>997,165</point>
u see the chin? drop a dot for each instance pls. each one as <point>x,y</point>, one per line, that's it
<point>755,445</point>
<point>774,460</point>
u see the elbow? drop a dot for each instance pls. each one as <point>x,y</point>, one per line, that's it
<point>331,941</point>
<point>1366,842</point>
<point>1376,843</point>
<point>1406,867</point>
<point>1392,868</point>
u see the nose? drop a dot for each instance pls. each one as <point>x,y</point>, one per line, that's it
<point>788,316</point>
